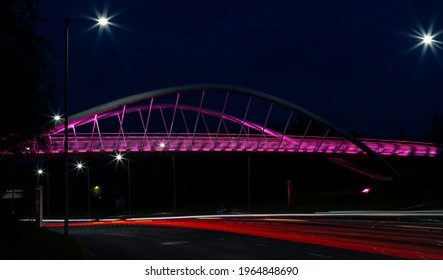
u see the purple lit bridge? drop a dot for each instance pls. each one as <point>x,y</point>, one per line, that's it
<point>218,118</point>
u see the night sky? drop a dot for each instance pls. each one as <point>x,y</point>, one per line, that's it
<point>358,64</point>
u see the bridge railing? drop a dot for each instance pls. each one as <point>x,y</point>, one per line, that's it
<point>207,142</point>
<point>403,148</point>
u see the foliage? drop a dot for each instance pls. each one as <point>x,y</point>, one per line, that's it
<point>27,71</point>
<point>26,242</point>
<point>435,131</point>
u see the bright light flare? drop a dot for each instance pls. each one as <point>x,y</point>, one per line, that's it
<point>162,145</point>
<point>40,171</point>
<point>428,39</point>
<point>57,118</point>
<point>119,157</point>
<point>103,21</point>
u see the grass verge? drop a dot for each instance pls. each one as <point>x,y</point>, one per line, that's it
<point>23,241</point>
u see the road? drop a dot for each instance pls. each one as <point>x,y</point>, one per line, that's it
<point>363,235</point>
<point>166,243</point>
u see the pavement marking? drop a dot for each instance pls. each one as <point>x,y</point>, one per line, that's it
<point>320,255</point>
<point>174,243</point>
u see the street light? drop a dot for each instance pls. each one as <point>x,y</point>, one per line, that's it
<point>97,190</point>
<point>39,200</point>
<point>80,166</point>
<point>41,173</point>
<point>119,158</point>
<point>427,39</point>
<point>102,21</point>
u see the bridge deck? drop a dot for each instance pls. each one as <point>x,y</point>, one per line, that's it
<point>112,142</point>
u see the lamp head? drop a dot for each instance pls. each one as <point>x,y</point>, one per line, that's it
<point>103,21</point>
<point>427,39</point>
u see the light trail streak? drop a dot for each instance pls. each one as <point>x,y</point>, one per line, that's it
<point>390,239</point>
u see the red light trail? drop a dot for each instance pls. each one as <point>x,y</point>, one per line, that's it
<point>407,241</point>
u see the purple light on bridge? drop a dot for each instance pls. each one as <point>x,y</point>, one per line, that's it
<point>196,125</point>
<point>366,190</point>
<point>199,121</point>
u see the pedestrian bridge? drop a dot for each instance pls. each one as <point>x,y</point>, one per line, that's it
<point>214,118</point>
<point>211,142</point>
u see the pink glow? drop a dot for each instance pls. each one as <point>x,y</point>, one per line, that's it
<point>266,140</point>
<point>366,190</point>
<point>182,143</point>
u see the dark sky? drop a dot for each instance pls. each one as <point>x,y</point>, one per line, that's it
<point>351,62</point>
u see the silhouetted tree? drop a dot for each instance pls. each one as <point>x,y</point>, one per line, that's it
<point>404,135</point>
<point>435,131</point>
<point>26,72</point>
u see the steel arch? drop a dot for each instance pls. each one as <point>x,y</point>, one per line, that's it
<point>114,109</point>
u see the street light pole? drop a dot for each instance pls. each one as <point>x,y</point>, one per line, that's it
<point>129,187</point>
<point>119,157</point>
<point>89,199</point>
<point>13,188</point>
<point>249,183</point>
<point>39,200</point>
<point>47,194</point>
<point>80,166</point>
<point>174,183</point>
<point>66,213</point>
<point>102,22</point>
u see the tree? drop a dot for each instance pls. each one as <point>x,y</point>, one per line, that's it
<point>435,131</point>
<point>404,135</point>
<point>27,73</point>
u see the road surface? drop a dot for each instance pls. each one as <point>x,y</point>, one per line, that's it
<point>166,243</point>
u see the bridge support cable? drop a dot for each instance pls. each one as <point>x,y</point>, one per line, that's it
<point>142,122</point>
<point>304,135</point>
<point>221,120</point>
<point>322,141</point>
<point>121,131</point>
<point>223,129</point>
<point>146,125</point>
<point>173,119</point>
<point>75,140</point>
<point>284,131</point>
<point>207,130</point>
<point>337,149</point>
<point>264,125</point>
<point>243,122</point>
<point>165,125</point>
<point>91,143</point>
<point>197,119</point>
<point>185,123</point>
